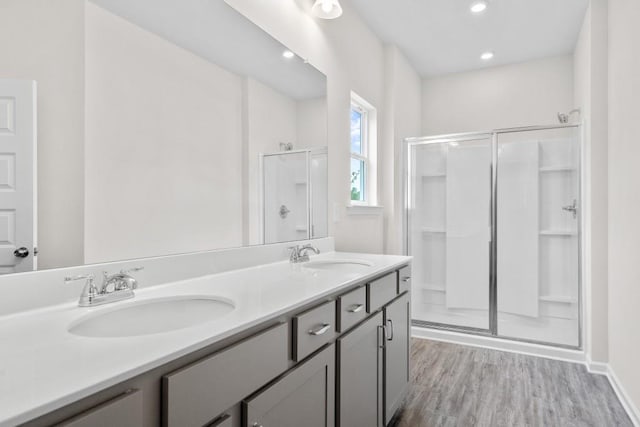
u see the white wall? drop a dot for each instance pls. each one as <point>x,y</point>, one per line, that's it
<point>403,101</point>
<point>590,95</point>
<point>525,94</point>
<point>155,108</point>
<point>53,35</point>
<point>352,58</point>
<point>624,194</point>
<point>271,119</point>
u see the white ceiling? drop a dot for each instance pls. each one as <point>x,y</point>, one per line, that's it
<point>443,36</point>
<point>216,32</point>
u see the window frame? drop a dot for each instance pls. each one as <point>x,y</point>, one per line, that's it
<point>363,156</point>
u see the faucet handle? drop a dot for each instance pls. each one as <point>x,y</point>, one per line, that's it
<point>90,289</point>
<point>89,277</point>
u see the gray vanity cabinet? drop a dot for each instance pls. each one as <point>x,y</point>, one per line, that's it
<point>360,375</point>
<point>124,410</point>
<point>396,354</point>
<point>304,396</point>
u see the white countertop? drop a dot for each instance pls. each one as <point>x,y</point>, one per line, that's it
<point>43,367</point>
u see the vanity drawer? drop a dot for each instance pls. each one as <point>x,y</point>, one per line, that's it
<point>381,291</point>
<point>404,279</point>
<point>198,393</point>
<point>352,308</point>
<point>124,410</point>
<point>313,329</point>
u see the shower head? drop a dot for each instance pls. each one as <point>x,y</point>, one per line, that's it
<point>564,117</point>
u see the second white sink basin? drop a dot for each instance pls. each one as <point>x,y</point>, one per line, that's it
<point>151,316</point>
<point>344,265</point>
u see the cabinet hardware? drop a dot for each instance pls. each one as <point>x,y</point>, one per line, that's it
<point>356,308</point>
<point>382,334</point>
<point>390,337</point>
<point>320,330</point>
<point>406,278</point>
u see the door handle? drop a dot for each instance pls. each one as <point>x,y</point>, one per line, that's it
<point>573,208</point>
<point>390,323</point>
<point>320,330</point>
<point>382,334</point>
<point>21,252</point>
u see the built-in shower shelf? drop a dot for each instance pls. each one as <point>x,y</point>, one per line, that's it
<point>557,168</point>
<point>434,175</point>
<point>433,230</point>
<point>566,233</point>
<point>432,287</point>
<point>557,298</point>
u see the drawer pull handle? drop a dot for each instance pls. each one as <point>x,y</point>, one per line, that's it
<point>320,330</point>
<point>390,336</point>
<point>406,278</point>
<point>356,308</point>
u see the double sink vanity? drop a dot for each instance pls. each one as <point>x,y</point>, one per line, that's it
<point>315,342</point>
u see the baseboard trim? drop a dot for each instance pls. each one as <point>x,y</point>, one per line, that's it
<point>623,397</point>
<point>562,354</point>
<point>500,344</point>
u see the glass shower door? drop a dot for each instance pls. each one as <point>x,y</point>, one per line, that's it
<point>538,235</point>
<point>449,224</point>
<point>285,197</point>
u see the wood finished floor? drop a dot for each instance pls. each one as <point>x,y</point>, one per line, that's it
<point>454,385</point>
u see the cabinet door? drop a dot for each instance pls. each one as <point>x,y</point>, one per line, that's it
<point>396,354</point>
<point>125,410</point>
<point>360,375</point>
<point>304,396</point>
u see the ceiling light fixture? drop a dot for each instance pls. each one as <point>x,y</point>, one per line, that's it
<point>479,6</point>
<point>326,9</point>
<point>288,54</point>
<point>486,56</point>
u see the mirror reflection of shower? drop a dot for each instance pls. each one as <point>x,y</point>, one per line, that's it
<point>294,194</point>
<point>564,117</point>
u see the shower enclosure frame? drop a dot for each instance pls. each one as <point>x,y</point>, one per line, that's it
<point>492,331</point>
<point>308,152</point>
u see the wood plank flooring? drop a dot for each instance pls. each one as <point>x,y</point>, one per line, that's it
<point>455,385</point>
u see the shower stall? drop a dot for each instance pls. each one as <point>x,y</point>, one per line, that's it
<point>493,224</point>
<point>294,195</point>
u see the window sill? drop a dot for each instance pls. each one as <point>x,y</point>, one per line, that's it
<point>365,210</point>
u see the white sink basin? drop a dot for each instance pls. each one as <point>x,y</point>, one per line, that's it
<point>151,316</point>
<point>344,265</point>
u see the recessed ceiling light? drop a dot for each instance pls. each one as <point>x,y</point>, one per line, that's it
<point>288,54</point>
<point>479,6</point>
<point>486,56</point>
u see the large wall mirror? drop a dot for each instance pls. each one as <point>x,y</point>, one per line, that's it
<point>161,127</point>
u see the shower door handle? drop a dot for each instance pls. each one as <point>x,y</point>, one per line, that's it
<point>573,208</point>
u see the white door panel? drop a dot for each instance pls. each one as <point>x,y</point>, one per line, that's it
<point>17,175</point>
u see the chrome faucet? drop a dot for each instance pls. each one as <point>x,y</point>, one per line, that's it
<point>300,253</point>
<point>115,287</point>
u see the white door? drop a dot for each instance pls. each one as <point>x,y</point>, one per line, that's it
<point>17,175</point>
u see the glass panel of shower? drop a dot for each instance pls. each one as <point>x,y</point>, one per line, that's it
<point>294,195</point>
<point>449,226</point>
<point>493,224</point>
<point>538,232</point>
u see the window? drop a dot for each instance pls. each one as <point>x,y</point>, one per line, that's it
<point>358,154</point>
<point>363,152</point>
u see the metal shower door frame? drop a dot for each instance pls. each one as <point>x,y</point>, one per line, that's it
<point>492,330</point>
